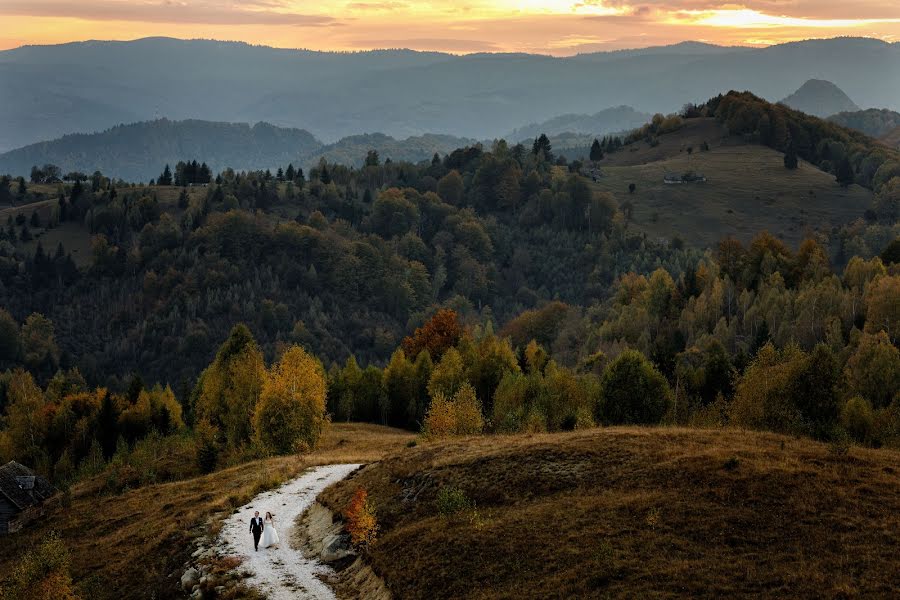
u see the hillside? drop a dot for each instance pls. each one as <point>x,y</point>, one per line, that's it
<point>66,88</point>
<point>145,534</point>
<point>820,98</point>
<point>610,120</point>
<point>138,151</point>
<point>633,512</point>
<point>747,189</point>
<point>892,138</point>
<point>874,122</point>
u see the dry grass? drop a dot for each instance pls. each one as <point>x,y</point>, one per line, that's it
<point>128,545</point>
<point>636,513</point>
<point>748,189</point>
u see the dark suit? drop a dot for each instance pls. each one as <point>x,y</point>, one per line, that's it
<point>256,528</point>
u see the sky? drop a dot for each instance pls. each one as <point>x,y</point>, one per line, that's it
<point>558,27</point>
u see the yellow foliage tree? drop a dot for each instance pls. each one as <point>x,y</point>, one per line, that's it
<point>467,411</point>
<point>229,389</point>
<point>290,414</point>
<point>883,307</point>
<point>440,420</point>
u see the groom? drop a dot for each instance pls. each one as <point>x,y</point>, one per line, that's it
<point>256,528</point>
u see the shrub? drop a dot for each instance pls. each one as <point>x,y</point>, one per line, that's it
<point>361,522</point>
<point>42,574</point>
<point>633,391</point>
<point>452,500</point>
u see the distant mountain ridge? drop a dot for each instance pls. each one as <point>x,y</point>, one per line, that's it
<point>820,98</point>
<point>611,120</point>
<point>138,151</point>
<point>875,122</point>
<point>91,86</point>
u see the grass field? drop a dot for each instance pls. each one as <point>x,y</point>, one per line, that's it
<point>636,513</point>
<point>748,190</point>
<point>128,545</point>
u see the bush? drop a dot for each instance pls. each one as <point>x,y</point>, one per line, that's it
<point>42,574</point>
<point>452,500</point>
<point>633,391</point>
<point>361,522</point>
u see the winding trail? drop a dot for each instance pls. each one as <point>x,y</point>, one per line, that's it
<point>282,573</point>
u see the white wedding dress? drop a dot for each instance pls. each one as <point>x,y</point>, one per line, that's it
<point>270,535</point>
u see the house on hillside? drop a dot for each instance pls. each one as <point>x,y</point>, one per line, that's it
<point>22,495</point>
<point>689,177</point>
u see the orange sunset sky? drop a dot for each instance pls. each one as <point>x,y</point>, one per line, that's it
<point>559,27</point>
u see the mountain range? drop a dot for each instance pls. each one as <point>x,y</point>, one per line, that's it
<point>139,151</point>
<point>90,86</point>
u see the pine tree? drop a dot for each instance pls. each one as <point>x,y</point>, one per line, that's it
<point>166,177</point>
<point>790,156</point>
<point>596,151</point>
<point>289,174</point>
<point>845,175</point>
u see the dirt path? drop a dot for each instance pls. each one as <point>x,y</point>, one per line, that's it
<point>282,573</point>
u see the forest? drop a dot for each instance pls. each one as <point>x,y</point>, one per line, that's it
<point>486,290</point>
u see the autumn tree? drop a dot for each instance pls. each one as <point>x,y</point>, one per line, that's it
<point>873,370</point>
<point>883,307</point>
<point>291,414</point>
<point>39,344</point>
<point>228,390</point>
<point>448,375</point>
<point>632,391</point>
<point>438,334</point>
<point>450,188</point>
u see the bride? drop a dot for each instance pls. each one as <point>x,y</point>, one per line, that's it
<point>270,535</point>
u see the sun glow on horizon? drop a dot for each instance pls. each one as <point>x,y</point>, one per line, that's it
<point>559,27</point>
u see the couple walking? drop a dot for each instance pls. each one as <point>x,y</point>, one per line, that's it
<point>265,529</point>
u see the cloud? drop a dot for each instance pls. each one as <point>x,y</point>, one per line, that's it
<point>437,44</point>
<point>254,12</point>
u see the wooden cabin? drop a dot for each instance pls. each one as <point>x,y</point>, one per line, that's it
<point>22,495</point>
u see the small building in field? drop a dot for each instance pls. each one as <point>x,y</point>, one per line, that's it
<point>22,495</point>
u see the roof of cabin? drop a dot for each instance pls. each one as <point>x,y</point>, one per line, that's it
<point>22,486</point>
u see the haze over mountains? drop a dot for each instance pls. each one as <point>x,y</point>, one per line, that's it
<point>90,86</point>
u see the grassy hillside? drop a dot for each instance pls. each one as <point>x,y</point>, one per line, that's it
<point>635,513</point>
<point>76,237</point>
<point>747,189</point>
<point>128,545</point>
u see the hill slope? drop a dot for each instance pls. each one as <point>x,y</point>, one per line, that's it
<point>874,122</point>
<point>610,120</point>
<point>634,513</point>
<point>892,138</point>
<point>138,151</point>
<point>820,98</point>
<point>747,189</point>
<point>145,534</point>
<point>401,93</point>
